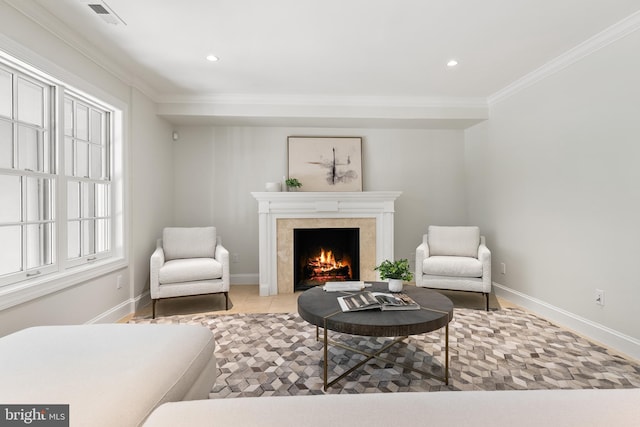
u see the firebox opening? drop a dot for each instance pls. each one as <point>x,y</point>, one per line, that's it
<point>325,255</point>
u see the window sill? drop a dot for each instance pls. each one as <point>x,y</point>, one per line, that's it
<point>19,293</point>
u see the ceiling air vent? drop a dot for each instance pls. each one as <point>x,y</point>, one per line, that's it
<point>102,9</point>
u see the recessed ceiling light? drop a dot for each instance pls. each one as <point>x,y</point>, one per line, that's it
<point>452,63</point>
<point>212,58</point>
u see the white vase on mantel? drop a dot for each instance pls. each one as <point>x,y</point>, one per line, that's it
<point>395,285</point>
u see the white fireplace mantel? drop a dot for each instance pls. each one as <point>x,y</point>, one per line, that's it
<point>273,206</point>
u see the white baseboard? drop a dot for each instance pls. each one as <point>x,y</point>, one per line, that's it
<point>141,301</point>
<point>130,306</point>
<point>244,279</point>
<point>114,314</point>
<point>122,310</point>
<point>618,341</point>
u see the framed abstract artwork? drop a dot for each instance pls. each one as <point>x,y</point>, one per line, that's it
<point>326,163</point>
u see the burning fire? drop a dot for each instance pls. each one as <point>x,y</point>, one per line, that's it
<point>325,262</point>
<point>325,267</point>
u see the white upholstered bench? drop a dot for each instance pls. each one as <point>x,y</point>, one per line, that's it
<point>109,374</point>
<point>522,408</point>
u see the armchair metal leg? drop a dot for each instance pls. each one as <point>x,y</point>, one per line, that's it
<point>153,308</point>
<point>226,298</point>
<point>486,297</point>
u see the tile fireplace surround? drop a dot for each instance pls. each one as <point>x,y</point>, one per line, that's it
<point>281,212</point>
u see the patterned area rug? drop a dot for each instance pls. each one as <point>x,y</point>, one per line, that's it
<point>277,354</point>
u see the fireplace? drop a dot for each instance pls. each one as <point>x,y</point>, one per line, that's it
<point>279,213</point>
<point>322,255</point>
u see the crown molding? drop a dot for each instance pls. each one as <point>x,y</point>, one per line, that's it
<point>312,100</point>
<point>610,35</point>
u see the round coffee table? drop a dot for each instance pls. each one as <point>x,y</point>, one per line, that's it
<point>321,309</point>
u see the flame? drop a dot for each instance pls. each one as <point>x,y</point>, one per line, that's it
<point>326,261</point>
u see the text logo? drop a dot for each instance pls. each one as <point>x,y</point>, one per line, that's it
<point>34,415</point>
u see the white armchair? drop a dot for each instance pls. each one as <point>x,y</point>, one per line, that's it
<point>189,261</point>
<point>454,258</point>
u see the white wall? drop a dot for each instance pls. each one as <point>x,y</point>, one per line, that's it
<point>555,183</point>
<point>149,190</point>
<point>217,168</point>
<point>152,186</point>
<point>194,177</point>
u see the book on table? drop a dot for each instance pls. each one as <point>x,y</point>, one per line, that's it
<point>344,286</point>
<point>377,300</point>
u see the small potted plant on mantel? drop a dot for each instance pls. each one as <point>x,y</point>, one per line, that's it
<point>396,272</point>
<point>293,184</point>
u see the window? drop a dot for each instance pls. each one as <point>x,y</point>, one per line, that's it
<point>86,136</point>
<point>57,192</point>
<point>27,177</point>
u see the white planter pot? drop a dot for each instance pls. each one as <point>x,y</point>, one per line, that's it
<point>395,285</point>
<point>272,186</point>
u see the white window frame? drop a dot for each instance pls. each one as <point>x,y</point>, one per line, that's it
<point>66,273</point>
<point>26,174</point>
<point>91,257</point>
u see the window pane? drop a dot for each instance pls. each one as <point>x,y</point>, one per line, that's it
<point>68,117</point>
<point>82,122</point>
<point>27,148</point>
<point>102,235</point>
<point>10,199</point>
<point>34,150</point>
<point>96,127</point>
<point>6,94</point>
<point>10,250</point>
<point>39,245</point>
<point>68,156</point>
<point>30,102</point>
<point>6,144</point>
<point>73,239</point>
<point>87,200</point>
<point>82,159</point>
<point>102,200</point>
<point>88,237</point>
<point>73,200</point>
<point>96,162</point>
<point>39,199</point>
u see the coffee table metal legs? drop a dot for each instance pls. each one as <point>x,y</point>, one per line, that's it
<point>377,356</point>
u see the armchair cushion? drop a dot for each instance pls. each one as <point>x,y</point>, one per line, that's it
<point>454,266</point>
<point>453,241</point>
<point>190,270</point>
<point>189,242</point>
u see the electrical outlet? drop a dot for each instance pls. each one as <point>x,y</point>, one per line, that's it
<point>119,282</point>
<point>599,297</point>
<point>235,258</point>
<point>503,268</point>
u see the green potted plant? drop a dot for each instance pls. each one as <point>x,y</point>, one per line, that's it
<point>396,272</point>
<point>293,184</point>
